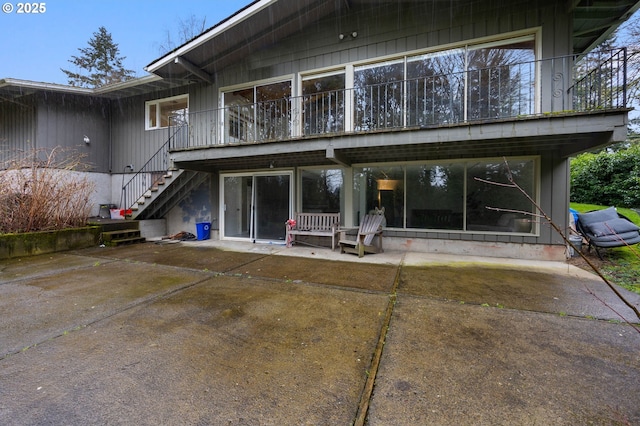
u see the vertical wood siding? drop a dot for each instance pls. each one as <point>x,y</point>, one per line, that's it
<point>17,129</point>
<point>132,144</point>
<point>64,120</point>
<point>390,29</point>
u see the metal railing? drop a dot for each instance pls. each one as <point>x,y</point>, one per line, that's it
<point>563,84</point>
<point>149,175</point>
<point>601,81</point>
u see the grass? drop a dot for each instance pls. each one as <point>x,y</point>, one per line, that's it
<point>621,264</point>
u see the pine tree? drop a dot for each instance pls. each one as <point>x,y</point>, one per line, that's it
<point>99,63</point>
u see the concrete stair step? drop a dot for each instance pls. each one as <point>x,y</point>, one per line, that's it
<point>124,241</point>
<point>122,236</point>
<point>120,233</point>
<point>108,225</point>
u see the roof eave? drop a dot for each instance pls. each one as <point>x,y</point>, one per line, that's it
<point>36,85</point>
<point>223,26</point>
<point>127,88</point>
<point>612,28</point>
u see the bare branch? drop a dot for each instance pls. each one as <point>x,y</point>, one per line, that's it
<point>498,209</point>
<point>507,185</point>
<point>514,184</point>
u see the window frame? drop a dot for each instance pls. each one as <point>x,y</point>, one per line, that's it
<point>356,196</point>
<point>300,104</point>
<point>239,129</point>
<point>157,105</point>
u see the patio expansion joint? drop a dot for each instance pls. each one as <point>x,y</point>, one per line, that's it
<point>125,308</point>
<point>485,305</point>
<point>54,272</point>
<point>367,392</point>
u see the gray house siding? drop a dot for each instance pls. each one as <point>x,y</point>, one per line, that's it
<point>132,144</point>
<point>64,120</point>
<point>17,128</point>
<point>372,32</point>
<point>48,120</point>
<point>388,30</point>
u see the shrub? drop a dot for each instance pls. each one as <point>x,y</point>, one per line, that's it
<point>44,191</point>
<point>607,178</point>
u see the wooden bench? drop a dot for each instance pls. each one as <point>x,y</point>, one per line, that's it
<point>314,224</point>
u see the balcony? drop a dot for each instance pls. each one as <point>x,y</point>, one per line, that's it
<point>446,105</point>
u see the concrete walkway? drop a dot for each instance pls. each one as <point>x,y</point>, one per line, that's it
<point>213,333</point>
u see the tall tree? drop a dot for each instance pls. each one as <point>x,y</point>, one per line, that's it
<point>633,69</point>
<point>98,64</point>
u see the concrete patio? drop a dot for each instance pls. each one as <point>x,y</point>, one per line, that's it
<point>213,333</point>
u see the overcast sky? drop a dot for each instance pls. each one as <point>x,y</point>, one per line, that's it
<point>35,46</point>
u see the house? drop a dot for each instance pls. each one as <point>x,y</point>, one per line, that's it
<point>423,108</point>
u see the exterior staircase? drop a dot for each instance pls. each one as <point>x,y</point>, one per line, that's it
<point>165,193</point>
<point>158,187</point>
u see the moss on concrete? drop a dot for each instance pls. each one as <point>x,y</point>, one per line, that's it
<point>34,243</point>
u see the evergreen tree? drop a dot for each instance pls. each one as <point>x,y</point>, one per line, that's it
<point>99,64</point>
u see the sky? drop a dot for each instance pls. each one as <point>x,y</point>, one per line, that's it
<point>36,46</point>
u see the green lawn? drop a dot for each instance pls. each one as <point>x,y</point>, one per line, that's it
<point>622,264</point>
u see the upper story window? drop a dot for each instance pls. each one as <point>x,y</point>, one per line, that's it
<point>161,113</point>
<point>475,82</point>
<point>260,112</point>
<point>379,95</point>
<point>323,103</point>
<point>485,80</point>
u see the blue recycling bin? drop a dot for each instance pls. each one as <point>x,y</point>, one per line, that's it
<point>574,213</point>
<point>203,230</point>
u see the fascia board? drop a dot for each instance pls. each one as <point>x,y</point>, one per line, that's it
<point>203,38</point>
<point>27,84</point>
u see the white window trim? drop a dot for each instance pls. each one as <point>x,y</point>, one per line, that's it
<point>534,33</point>
<point>157,102</point>
<point>222,91</point>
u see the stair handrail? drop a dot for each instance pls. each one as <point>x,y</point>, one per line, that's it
<point>153,170</point>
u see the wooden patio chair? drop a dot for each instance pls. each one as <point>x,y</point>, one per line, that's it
<point>368,239</point>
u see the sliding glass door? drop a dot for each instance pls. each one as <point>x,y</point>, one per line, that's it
<point>256,206</point>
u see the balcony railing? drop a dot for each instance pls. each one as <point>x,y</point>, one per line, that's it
<point>564,84</point>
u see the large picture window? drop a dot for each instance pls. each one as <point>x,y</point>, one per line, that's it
<point>382,189</point>
<point>435,196</point>
<point>477,82</point>
<point>496,207</point>
<point>322,190</point>
<point>161,113</point>
<point>323,103</point>
<point>435,88</point>
<point>258,113</point>
<point>500,80</point>
<point>459,196</point>
<point>378,91</point>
